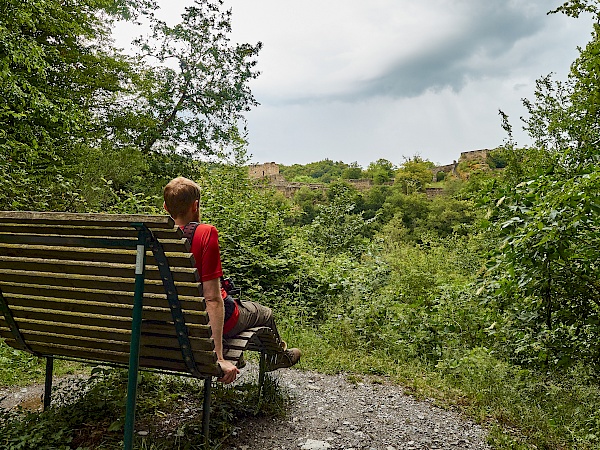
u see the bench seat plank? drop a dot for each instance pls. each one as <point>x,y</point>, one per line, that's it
<point>103,321</point>
<point>187,291</point>
<point>205,365</point>
<point>70,230</point>
<point>101,308</point>
<point>157,344</point>
<point>46,333</point>
<point>107,255</point>
<point>169,245</point>
<point>184,274</point>
<point>105,298</point>
<point>92,220</point>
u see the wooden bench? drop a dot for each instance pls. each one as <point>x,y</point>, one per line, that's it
<point>111,289</point>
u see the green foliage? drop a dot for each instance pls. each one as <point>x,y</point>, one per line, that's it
<point>496,159</point>
<point>380,171</point>
<point>306,200</point>
<point>352,172</point>
<point>199,105</point>
<point>545,273</point>
<point>337,227</point>
<point>414,175</point>
<point>323,171</point>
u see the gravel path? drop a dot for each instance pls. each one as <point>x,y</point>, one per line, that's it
<point>328,412</point>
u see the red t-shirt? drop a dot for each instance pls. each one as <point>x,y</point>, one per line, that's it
<point>205,248</point>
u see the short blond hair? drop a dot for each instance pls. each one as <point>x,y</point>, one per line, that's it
<point>180,194</point>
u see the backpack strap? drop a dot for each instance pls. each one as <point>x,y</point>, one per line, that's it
<point>189,230</point>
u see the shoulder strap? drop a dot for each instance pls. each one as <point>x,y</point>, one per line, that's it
<point>189,230</point>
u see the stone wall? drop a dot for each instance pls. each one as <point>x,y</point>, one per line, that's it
<point>361,184</point>
<point>479,155</point>
<point>266,170</point>
<point>447,169</point>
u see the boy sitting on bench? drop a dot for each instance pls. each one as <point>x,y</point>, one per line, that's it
<point>227,316</point>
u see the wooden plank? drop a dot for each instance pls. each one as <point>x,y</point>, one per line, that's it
<point>175,259</point>
<point>69,230</point>
<point>206,365</point>
<point>232,354</point>
<point>46,333</point>
<point>53,306</point>
<point>56,268</point>
<point>152,343</point>
<point>235,343</point>
<point>87,219</point>
<point>166,329</point>
<point>68,280</point>
<point>102,321</point>
<point>156,300</point>
<point>82,241</point>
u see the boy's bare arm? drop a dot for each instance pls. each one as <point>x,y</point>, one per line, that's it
<point>216,316</point>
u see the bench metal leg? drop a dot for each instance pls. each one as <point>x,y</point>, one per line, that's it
<point>48,383</point>
<point>262,370</point>
<point>206,410</point>
<point>134,348</point>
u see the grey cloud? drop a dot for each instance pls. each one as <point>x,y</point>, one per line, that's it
<point>492,30</point>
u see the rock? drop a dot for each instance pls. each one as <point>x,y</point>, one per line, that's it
<point>315,445</point>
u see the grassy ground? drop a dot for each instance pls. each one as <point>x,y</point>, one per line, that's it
<point>18,368</point>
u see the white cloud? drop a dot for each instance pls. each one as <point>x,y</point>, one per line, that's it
<point>356,80</point>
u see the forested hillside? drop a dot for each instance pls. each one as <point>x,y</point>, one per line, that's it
<point>485,297</point>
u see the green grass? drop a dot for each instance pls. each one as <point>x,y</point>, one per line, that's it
<point>19,368</point>
<point>522,409</point>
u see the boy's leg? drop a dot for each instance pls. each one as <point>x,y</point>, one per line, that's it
<point>253,314</point>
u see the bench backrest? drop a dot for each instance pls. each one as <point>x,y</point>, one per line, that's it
<point>68,281</point>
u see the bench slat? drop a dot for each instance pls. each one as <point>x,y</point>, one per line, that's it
<point>46,333</point>
<point>108,296</point>
<point>149,328</point>
<point>169,245</point>
<point>63,269</point>
<point>185,290</point>
<point>102,321</point>
<point>62,306</point>
<point>206,364</point>
<point>94,220</point>
<point>121,345</point>
<point>69,230</point>
<point>91,254</point>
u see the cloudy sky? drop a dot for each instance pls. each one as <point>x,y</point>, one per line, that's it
<point>356,81</point>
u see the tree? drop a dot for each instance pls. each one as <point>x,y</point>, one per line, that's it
<point>338,226</point>
<point>546,271</point>
<point>197,105</point>
<point>381,171</point>
<point>80,121</point>
<point>352,172</point>
<point>56,68</point>
<point>414,175</point>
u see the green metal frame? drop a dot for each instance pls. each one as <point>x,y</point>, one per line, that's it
<point>144,236</point>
